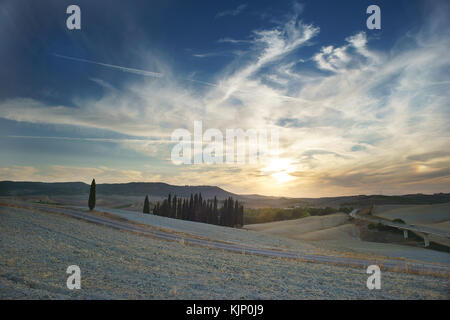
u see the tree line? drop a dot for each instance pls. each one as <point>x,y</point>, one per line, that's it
<point>195,208</point>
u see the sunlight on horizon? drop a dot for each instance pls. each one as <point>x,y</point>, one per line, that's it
<point>280,169</point>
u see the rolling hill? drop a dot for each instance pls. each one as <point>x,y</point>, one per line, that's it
<point>159,189</point>
<point>11,188</point>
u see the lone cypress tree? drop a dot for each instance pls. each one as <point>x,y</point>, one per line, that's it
<point>91,202</point>
<point>146,205</point>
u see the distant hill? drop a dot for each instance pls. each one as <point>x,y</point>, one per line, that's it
<point>367,200</point>
<point>10,188</point>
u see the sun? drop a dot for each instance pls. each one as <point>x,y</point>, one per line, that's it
<point>280,169</point>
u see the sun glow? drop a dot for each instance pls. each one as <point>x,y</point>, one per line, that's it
<point>280,169</point>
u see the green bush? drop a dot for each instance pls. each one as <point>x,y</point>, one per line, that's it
<point>371,226</point>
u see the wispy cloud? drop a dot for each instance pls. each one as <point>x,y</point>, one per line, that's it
<point>213,54</point>
<point>205,55</point>
<point>233,12</point>
<point>231,40</point>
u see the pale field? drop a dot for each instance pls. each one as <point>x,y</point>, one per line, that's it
<point>219,233</point>
<point>346,231</point>
<point>333,226</point>
<point>36,248</point>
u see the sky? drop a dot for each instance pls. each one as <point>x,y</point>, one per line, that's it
<point>358,111</point>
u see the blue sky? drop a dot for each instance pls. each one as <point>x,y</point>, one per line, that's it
<point>358,110</point>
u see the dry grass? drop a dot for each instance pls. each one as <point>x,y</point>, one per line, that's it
<point>329,227</point>
<point>123,265</point>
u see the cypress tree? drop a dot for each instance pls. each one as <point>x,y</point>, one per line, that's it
<point>91,201</point>
<point>173,212</point>
<point>209,218</point>
<point>224,213</point>
<point>197,206</point>
<point>186,209</point>
<point>236,214</point>
<point>169,206</point>
<point>241,216</point>
<point>215,212</point>
<point>204,211</point>
<point>165,208</point>
<point>146,205</point>
<point>179,209</point>
<point>230,212</point>
<point>191,208</point>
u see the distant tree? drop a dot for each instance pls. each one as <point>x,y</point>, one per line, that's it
<point>241,216</point>
<point>196,208</point>
<point>203,211</point>
<point>184,210</point>
<point>173,211</point>
<point>168,209</point>
<point>236,214</point>
<point>209,210</point>
<point>228,212</point>
<point>215,212</point>
<point>156,210</point>
<point>165,208</point>
<point>146,205</point>
<point>179,209</point>
<point>91,201</point>
<point>191,208</point>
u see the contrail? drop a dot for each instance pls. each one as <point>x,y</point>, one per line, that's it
<point>124,69</point>
<point>157,74</point>
<point>155,141</point>
<point>131,70</point>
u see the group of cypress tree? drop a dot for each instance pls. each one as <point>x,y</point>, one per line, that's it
<point>230,214</point>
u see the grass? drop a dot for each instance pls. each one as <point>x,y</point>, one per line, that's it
<point>123,206</point>
<point>263,215</point>
<point>124,265</point>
